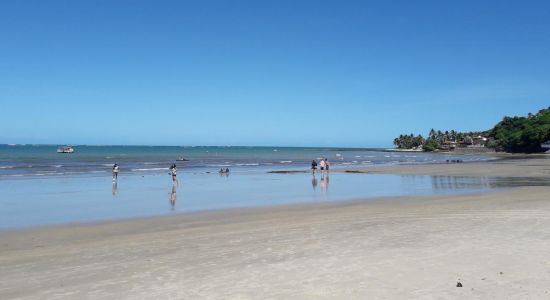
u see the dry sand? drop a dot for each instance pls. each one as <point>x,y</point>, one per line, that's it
<point>496,244</point>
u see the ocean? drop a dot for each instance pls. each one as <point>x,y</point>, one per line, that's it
<point>43,160</point>
<point>39,186</point>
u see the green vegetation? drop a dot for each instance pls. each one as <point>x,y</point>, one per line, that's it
<point>431,145</point>
<point>512,134</point>
<point>522,134</point>
<point>437,140</point>
<point>408,141</point>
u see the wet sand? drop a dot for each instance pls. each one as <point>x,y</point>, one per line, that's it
<point>496,244</point>
<point>509,166</point>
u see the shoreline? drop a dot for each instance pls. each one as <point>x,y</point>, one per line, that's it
<point>392,247</point>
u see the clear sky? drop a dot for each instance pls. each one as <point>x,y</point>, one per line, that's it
<point>295,73</point>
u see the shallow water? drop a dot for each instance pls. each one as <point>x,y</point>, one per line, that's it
<point>64,199</point>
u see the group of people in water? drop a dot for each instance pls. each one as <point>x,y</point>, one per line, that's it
<point>173,171</point>
<point>323,164</point>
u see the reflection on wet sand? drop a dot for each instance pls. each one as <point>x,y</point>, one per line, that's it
<point>325,181</point>
<point>475,182</point>
<point>459,182</point>
<point>115,188</point>
<point>173,196</point>
<point>314,182</point>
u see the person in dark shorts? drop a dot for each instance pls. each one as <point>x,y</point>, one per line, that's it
<point>313,166</point>
<point>173,172</point>
<point>116,169</point>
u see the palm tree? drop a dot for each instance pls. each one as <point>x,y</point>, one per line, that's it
<point>432,133</point>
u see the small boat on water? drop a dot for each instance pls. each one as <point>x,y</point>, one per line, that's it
<point>65,149</point>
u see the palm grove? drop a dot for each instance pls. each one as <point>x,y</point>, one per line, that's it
<point>512,134</point>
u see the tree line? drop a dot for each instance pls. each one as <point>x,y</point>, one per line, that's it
<point>522,134</point>
<point>512,134</point>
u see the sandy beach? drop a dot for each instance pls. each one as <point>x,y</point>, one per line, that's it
<point>495,244</point>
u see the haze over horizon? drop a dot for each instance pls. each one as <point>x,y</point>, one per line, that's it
<point>307,73</point>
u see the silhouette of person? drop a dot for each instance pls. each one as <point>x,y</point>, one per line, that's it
<point>173,172</point>
<point>313,166</point>
<point>116,169</point>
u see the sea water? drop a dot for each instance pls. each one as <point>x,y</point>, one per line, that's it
<point>38,186</point>
<point>43,160</point>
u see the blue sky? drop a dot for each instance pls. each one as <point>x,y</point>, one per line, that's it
<point>294,73</point>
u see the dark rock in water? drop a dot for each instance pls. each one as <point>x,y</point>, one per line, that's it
<point>458,284</point>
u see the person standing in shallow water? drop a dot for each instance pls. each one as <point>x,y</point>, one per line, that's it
<point>313,166</point>
<point>327,164</point>
<point>173,172</point>
<point>115,172</point>
<point>322,165</point>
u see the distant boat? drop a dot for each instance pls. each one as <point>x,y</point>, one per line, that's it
<point>65,149</point>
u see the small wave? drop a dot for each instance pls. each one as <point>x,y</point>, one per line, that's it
<point>357,156</point>
<point>220,165</point>
<point>57,166</point>
<point>7,167</point>
<point>252,164</point>
<point>365,162</point>
<point>285,162</point>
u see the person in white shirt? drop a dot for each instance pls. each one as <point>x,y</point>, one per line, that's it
<point>115,171</point>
